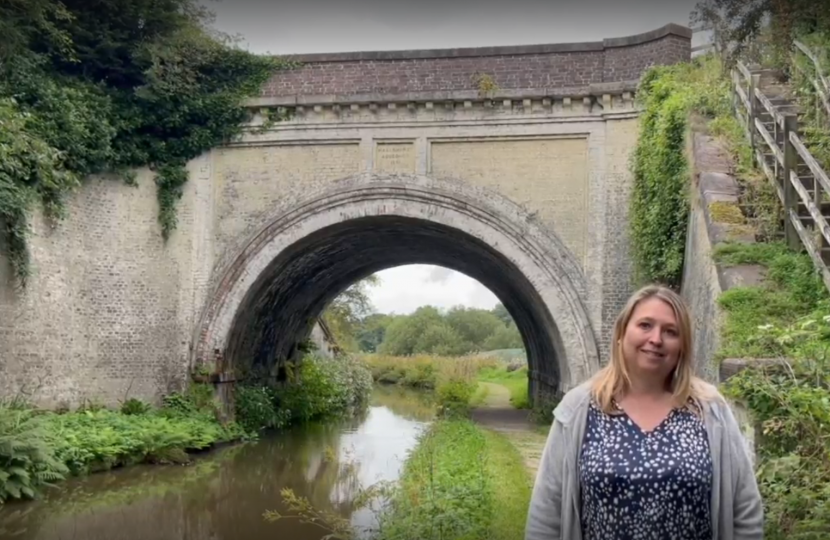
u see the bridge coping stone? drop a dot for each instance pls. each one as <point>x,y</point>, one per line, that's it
<point>525,70</point>
<point>505,50</point>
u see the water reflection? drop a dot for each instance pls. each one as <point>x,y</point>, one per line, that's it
<point>224,494</point>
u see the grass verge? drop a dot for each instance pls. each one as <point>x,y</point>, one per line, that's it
<point>461,482</point>
<point>515,381</point>
<point>786,316</point>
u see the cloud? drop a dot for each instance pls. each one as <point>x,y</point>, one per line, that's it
<point>307,26</point>
<point>406,288</point>
<point>439,274</point>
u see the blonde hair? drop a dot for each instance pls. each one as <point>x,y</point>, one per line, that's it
<point>613,380</point>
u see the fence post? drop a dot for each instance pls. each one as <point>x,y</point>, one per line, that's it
<point>753,111</point>
<point>790,194</point>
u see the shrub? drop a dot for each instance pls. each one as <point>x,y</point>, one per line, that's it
<point>453,397</point>
<point>257,408</point>
<point>325,386</point>
<point>134,406</point>
<point>456,386</point>
<point>793,406</point>
<point>317,387</point>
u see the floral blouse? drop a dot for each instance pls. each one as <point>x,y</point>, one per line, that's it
<point>640,485</point>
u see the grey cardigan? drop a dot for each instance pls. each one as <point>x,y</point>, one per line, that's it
<point>737,512</point>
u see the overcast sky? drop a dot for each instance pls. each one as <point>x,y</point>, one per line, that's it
<point>310,26</point>
<point>307,26</point>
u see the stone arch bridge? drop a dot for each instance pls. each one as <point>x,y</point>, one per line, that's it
<point>509,164</point>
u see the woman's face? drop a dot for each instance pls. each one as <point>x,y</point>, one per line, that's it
<point>651,344</point>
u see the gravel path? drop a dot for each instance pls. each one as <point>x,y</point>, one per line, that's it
<point>498,414</point>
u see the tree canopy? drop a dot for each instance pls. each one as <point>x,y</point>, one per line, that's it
<point>740,23</point>
<point>461,330</point>
<point>428,330</point>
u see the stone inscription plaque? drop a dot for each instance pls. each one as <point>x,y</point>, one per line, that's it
<point>392,158</point>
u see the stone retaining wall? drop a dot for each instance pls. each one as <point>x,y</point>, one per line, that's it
<point>715,217</point>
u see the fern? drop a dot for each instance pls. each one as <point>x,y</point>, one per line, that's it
<point>27,460</point>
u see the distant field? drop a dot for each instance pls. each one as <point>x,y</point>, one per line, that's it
<point>424,371</point>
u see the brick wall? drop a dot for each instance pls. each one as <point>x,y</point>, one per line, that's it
<point>538,67</point>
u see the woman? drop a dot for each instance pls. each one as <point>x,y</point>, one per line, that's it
<point>646,450</point>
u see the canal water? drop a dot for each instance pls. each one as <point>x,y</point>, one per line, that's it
<point>224,494</point>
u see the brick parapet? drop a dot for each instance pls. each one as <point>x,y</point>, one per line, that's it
<point>526,68</point>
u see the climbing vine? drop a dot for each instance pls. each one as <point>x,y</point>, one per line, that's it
<point>111,87</point>
<point>659,199</point>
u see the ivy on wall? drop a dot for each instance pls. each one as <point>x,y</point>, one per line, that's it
<point>659,205</point>
<point>110,86</point>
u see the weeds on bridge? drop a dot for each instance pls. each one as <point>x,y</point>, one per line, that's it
<point>792,292</point>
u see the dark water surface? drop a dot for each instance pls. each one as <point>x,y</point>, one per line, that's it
<point>223,495</point>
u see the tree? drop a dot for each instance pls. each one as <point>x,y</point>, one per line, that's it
<point>345,314</point>
<point>440,339</point>
<point>739,23</point>
<point>473,326</point>
<point>505,337</point>
<point>501,312</point>
<point>372,331</point>
<point>109,86</point>
<point>403,334</point>
<point>457,332</point>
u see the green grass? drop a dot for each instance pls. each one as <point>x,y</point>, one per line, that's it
<point>460,482</point>
<point>515,381</point>
<point>513,486</point>
<point>479,396</point>
<point>758,317</point>
<point>507,355</point>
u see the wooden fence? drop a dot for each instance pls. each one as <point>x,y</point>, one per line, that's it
<point>803,187</point>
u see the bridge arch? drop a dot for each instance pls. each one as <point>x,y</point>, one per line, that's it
<point>272,287</point>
